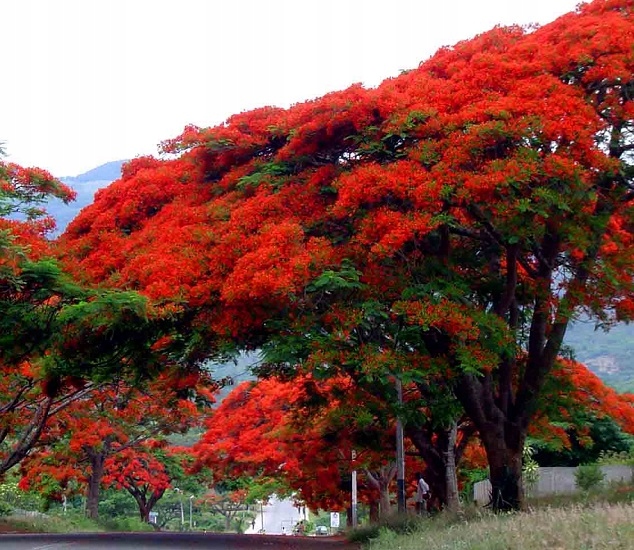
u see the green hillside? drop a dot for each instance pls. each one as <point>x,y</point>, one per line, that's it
<point>608,354</point>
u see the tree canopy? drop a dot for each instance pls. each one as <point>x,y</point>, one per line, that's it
<point>451,221</point>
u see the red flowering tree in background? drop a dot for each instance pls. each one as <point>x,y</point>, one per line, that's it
<point>576,408</point>
<point>45,318</point>
<point>140,472</point>
<point>302,432</point>
<point>476,204</point>
<point>90,434</point>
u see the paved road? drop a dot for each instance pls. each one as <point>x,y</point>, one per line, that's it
<point>165,541</point>
<point>277,517</point>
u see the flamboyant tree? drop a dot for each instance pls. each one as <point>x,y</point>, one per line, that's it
<point>141,472</point>
<point>481,202</point>
<point>46,318</point>
<point>303,432</point>
<point>90,433</point>
<point>575,404</point>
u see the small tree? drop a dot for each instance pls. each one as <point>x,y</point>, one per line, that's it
<point>589,476</point>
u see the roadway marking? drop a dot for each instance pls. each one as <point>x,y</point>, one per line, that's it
<point>54,546</point>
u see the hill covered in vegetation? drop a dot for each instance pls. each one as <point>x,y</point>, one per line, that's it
<point>607,354</point>
<point>85,185</point>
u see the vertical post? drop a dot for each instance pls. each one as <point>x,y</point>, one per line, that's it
<point>262,514</point>
<point>354,491</point>
<point>191,523</point>
<point>180,499</point>
<point>400,451</point>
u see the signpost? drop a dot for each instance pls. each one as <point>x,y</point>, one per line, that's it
<point>334,520</point>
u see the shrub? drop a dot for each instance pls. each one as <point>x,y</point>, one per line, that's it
<point>5,509</point>
<point>613,457</point>
<point>401,524</point>
<point>589,476</point>
<point>125,524</point>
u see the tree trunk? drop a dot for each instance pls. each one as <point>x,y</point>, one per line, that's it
<point>374,512</point>
<point>144,503</point>
<point>503,438</point>
<point>451,478</point>
<point>385,506</point>
<point>380,481</point>
<point>441,452</point>
<point>144,512</point>
<point>97,459</point>
<point>505,473</point>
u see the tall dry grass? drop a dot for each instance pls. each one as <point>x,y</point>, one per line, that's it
<point>603,526</point>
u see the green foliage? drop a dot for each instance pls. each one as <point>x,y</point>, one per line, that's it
<point>12,495</point>
<point>116,504</point>
<point>589,476</point>
<point>346,278</point>
<point>43,313</point>
<point>469,479</point>
<point>530,467</point>
<point>126,524</point>
<point>395,524</point>
<point>267,172</point>
<point>73,522</point>
<point>5,509</point>
<point>625,458</point>
<point>606,437</point>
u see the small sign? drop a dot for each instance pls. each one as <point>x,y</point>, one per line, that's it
<point>334,520</point>
<point>153,517</point>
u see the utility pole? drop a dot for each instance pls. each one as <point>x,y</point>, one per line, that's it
<point>400,451</point>
<point>353,505</point>
<point>191,523</point>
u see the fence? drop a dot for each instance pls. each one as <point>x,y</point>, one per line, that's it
<point>554,481</point>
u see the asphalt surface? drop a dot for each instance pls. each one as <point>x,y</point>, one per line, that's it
<point>277,517</point>
<point>165,541</point>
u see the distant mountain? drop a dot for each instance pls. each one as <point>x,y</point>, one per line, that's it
<point>109,171</point>
<point>610,355</point>
<point>233,373</point>
<point>86,185</point>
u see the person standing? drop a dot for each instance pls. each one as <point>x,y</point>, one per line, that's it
<point>422,494</point>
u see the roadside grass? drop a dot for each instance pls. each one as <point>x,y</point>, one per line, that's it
<point>592,520</point>
<point>68,523</point>
<point>48,524</point>
<point>597,527</point>
<point>613,493</point>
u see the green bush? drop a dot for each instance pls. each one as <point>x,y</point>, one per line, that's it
<point>589,476</point>
<point>125,524</point>
<point>613,457</point>
<point>5,509</point>
<point>398,523</point>
<point>469,479</point>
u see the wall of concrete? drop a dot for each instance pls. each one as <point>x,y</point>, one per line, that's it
<point>554,481</point>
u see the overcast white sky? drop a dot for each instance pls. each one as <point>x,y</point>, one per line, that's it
<point>89,81</point>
